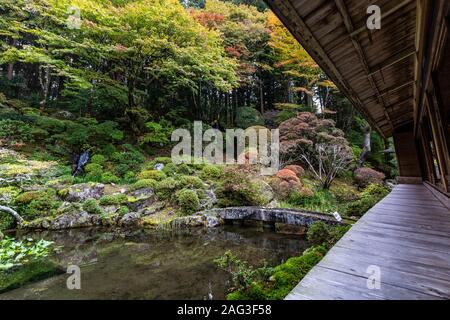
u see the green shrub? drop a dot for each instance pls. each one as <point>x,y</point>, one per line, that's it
<point>284,115</point>
<point>188,201</point>
<point>129,177</point>
<point>191,182</point>
<point>13,131</point>
<point>108,177</point>
<point>248,117</point>
<point>94,172</point>
<point>320,233</point>
<point>128,160</point>
<point>163,160</point>
<point>185,169</point>
<point>152,174</point>
<point>92,206</point>
<point>371,195</point>
<point>51,125</point>
<point>235,189</point>
<point>115,199</point>
<point>34,204</point>
<point>170,169</point>
<point>166,188</point>
<point>123,211</point>
<point>158,133</point>
<point>319,201</point>
<point>144,183</point>
<point>211,172</point>
<point>268,283</point>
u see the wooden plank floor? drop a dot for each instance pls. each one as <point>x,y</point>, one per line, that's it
<point>406,235</point>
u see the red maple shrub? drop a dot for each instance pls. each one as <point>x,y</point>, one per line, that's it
<point>298,170</point>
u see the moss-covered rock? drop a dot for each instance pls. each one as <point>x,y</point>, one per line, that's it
<point>115,199</point>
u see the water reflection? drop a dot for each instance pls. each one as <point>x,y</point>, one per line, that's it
<point>155,264</point>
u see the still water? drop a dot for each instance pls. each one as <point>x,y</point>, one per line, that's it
<point>155,264</point>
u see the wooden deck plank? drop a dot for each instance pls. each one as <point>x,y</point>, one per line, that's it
<point>407,235</point>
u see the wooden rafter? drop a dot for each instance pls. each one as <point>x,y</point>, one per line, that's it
<point>383,16</point>
<point>393,60</point>
<point>360,52</point>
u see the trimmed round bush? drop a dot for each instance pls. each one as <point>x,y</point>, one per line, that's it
<point>91,206</point>
<point>318,233</point>
<point>109,177</point>
<point>98,159</point>
<point>298,170</point>
<point>188,201</point>
<point>152,174</point>
<point>166,188</point>
<point>191,182</point>
<point>248,117</point>
<point>144,183</point>
<point>365,176</point>
<point>114,199</point>
<point>211,172</point>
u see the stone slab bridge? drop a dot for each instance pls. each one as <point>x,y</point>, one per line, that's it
<point>398,77</point>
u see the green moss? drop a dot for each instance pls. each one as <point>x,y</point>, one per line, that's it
<point>98,159</point>
<point>279,281</point>
<point>144,183</point>
<point>123,211</point>
<point>108,177</point>
<point>170,169</point>
<point>319,233</point>
<point>371,195</point>
<point>166,188</point>
<point>34,204</point>
<point>115,199</point>
<point>92,206</point>
<point>211,172</point>
<point>185,169</point>
<point>188,201</point>
<point>8,194</point>
<point>30,272</point>
<point>94,172</point>
<point>191,182</point>
<point>152,174</point>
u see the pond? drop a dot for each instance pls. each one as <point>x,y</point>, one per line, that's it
<point>155,264</point>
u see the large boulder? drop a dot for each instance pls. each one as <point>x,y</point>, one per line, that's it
<point>83,191</point>
<point>130,219</point>
<point>72,220</point>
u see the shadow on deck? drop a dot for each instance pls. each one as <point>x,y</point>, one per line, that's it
<point>406,236</point>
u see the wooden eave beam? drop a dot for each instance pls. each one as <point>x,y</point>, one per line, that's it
<point>390,90</point>
<point>360,52</point>
<point>393,60</point>
<point>383,16</point>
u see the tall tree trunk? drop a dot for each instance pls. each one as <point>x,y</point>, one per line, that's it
<point>366,147</point>
<point>44,80</point>
<point>11,64</point>
<point>261,96</point>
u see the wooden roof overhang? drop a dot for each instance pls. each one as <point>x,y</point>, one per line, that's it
<point>375,69</point>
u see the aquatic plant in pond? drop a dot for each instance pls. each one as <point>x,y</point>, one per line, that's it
<point>16,253</point>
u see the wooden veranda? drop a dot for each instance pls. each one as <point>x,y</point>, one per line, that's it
<point>398,77</point>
